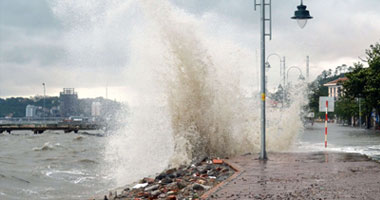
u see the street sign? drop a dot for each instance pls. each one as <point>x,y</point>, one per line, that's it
<point>322,104</point>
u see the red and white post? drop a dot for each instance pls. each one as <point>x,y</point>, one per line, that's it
<point>326,119</point>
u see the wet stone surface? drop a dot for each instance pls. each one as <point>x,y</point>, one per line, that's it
<point>319,175</point>
<point>185,182</point>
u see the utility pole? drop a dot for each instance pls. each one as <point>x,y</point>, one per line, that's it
<point>360,114</point>
<point>263,153</point>
<point>284,81</point>
<point>263,34</point>
<point>307,68</point>
<point>43,108</point>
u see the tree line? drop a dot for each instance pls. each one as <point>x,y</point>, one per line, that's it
<point>364,83</point>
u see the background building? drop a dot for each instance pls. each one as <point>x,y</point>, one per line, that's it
<point>30,111</point>
<point>69,104</point>
<point>95,109</point>
<point>335,88</point>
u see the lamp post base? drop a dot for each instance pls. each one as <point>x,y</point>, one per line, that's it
<point>263,156</point>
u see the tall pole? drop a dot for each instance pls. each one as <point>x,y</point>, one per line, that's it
<point>263,153</point>
<point>326,119</point>
<point>43,109</point>
<point>283,78</point>
<point>360,114</point>
<point>307,68</point>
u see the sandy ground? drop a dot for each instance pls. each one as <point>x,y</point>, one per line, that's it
<point>320,175</point>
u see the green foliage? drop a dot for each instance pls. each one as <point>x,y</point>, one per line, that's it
<point>365,82</point>
<point>346,108</point>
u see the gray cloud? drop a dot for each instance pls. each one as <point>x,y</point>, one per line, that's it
<point>28,33</point>
<point>39,43</point>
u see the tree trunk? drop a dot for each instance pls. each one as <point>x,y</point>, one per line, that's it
<point>377,115</point>
<point>368,121</point>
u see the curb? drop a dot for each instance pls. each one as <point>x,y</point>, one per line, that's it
<point>237,170</point>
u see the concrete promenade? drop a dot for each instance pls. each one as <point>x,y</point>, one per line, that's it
<point>319,175</point>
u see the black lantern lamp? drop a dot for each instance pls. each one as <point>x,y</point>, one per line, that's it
<point>302,15</point>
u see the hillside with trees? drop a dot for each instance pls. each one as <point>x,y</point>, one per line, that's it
<point>15,106</point>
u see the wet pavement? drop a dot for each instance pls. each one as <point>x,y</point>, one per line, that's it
<point>341,139</point>
<point>311,171</point>
<point>318,175</point>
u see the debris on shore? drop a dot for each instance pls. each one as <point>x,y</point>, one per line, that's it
<point>185,182</point>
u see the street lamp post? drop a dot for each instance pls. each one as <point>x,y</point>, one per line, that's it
<point>282,62</point>
<point>294,67</point>
<point>282,72</point>
<point>301,15</point>
<point>287,76</point>
<point>43,109</point>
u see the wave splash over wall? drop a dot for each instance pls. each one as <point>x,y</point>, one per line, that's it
<point>210,110</point>
<point>196,94</point>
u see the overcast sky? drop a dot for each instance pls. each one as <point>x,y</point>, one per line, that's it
<point>37,45</point>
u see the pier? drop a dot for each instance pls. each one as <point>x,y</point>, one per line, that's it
<point>39,128</point>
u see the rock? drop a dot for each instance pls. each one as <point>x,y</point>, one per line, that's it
<point>155,193</point>
<point>172,175</point>
<point>180,173</point>
<point>148,180</point>
<point>225,170</point>
<point>150,188</point>
<point>140,194</point>
<point>201,182</point>
<point>186,182</point>
<point>221,178</point>
<point>202,169</point>
<point>166,181</point>
<point>170,171</point>
<point>172,185</point>
<point>203,175</point>
<point>181,185</point>
<point>171,197</point>
<point>142,185</point>
<point>198,187</point>
<point>161,176</point>
<point>200,160</point>
<point>212,173</point>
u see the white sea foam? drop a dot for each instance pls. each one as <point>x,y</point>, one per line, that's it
<point>47,146</point>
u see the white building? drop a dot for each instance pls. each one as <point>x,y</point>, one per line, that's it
<point>30,111</point>
<point>335,87</point>
<point>95,109</point>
